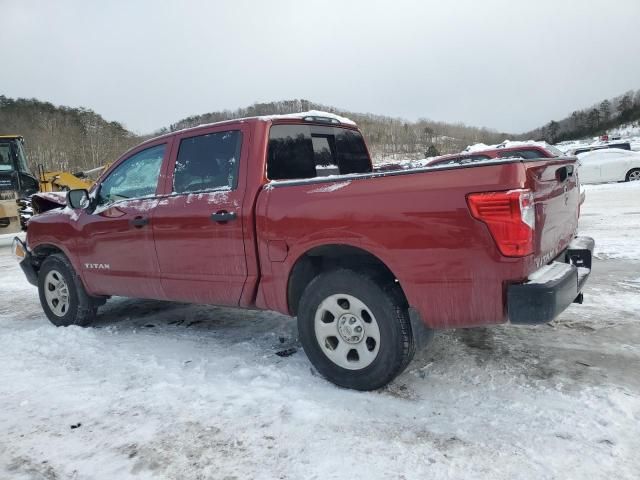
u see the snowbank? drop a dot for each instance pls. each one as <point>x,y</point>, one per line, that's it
<point>611,215</point>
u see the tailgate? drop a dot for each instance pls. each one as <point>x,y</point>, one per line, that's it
<point>557,201</point>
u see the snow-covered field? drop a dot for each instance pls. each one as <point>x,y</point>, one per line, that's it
<point>159,390</point>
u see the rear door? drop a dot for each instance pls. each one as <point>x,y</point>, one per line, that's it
<point>198,226</point>
<point>115,242</point>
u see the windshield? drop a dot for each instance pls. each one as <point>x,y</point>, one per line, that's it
<point>12,154</point>
<point>22,159</point>
<point>6,165</point>
<point>554,151</point>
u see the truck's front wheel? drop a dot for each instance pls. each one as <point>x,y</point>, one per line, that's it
<point>354,329</point>
<point>62,295</point>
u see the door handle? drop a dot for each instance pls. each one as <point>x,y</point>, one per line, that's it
<point>223,216</point>
<point>139,222</point>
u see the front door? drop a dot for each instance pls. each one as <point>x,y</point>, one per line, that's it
<point>198,226</point>
<point>115,241</point>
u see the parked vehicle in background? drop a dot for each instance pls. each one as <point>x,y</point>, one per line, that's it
<point>16,182</point>
<point>600,146</point>
<point>480,153</point>
<point>242,213</point>
<point>608,165</point>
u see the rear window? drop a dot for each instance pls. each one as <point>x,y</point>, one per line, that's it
<point>309,151</point>
<point>581,150</point>
<point>623,146</point>
<point>461,160</point>
<point>524,153</point>
<point>554,151</point>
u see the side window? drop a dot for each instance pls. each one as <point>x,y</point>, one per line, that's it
<point>309,151</point>
<point>291,153</point>
<point>208,162</point>
<point>136,177</point>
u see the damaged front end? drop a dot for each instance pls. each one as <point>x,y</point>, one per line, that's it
<point>25,260</point>
<point>39,203</point>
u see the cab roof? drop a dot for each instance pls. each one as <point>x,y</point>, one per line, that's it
<point>312,117</point>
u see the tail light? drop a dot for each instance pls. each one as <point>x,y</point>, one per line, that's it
<point>510,217</point>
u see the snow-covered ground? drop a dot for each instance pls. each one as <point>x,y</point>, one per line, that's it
<point>159,390</point>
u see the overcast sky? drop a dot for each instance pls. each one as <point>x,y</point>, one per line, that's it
<point>507,65</point>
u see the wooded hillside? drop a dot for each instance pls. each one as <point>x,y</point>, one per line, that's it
<point>63,138</point>
<point>387,137</point>
<point>593,121</point>
<point>77,139</point>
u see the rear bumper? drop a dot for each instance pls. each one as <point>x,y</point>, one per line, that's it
<point>553,288</point>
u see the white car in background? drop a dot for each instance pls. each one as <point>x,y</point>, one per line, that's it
<point>608,165</point>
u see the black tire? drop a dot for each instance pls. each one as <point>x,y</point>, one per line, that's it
<point>385,301</point>
<point>81,309</point>
<point>630,173</point>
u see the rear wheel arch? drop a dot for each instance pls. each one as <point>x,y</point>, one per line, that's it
<point>328,257</point>
<point>633,174</point>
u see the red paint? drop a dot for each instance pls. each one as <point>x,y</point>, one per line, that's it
<point>417,223</point>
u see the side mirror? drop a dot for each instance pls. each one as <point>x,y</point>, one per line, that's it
<point>78,199</point>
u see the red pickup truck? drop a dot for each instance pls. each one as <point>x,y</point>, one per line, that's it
<point>242,213</point>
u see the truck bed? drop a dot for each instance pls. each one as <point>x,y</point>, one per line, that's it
<point>418,223</point>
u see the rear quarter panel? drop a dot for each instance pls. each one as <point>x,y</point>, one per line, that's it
<point>418,224</point>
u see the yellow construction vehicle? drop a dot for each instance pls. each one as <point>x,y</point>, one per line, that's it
<point>61,181</point>
<point>18,184</point>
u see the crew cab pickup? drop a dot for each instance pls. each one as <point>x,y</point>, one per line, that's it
<point>243,213</point>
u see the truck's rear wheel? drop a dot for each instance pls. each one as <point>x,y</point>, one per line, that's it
<point>354,329</point>
<point>62,295</point>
